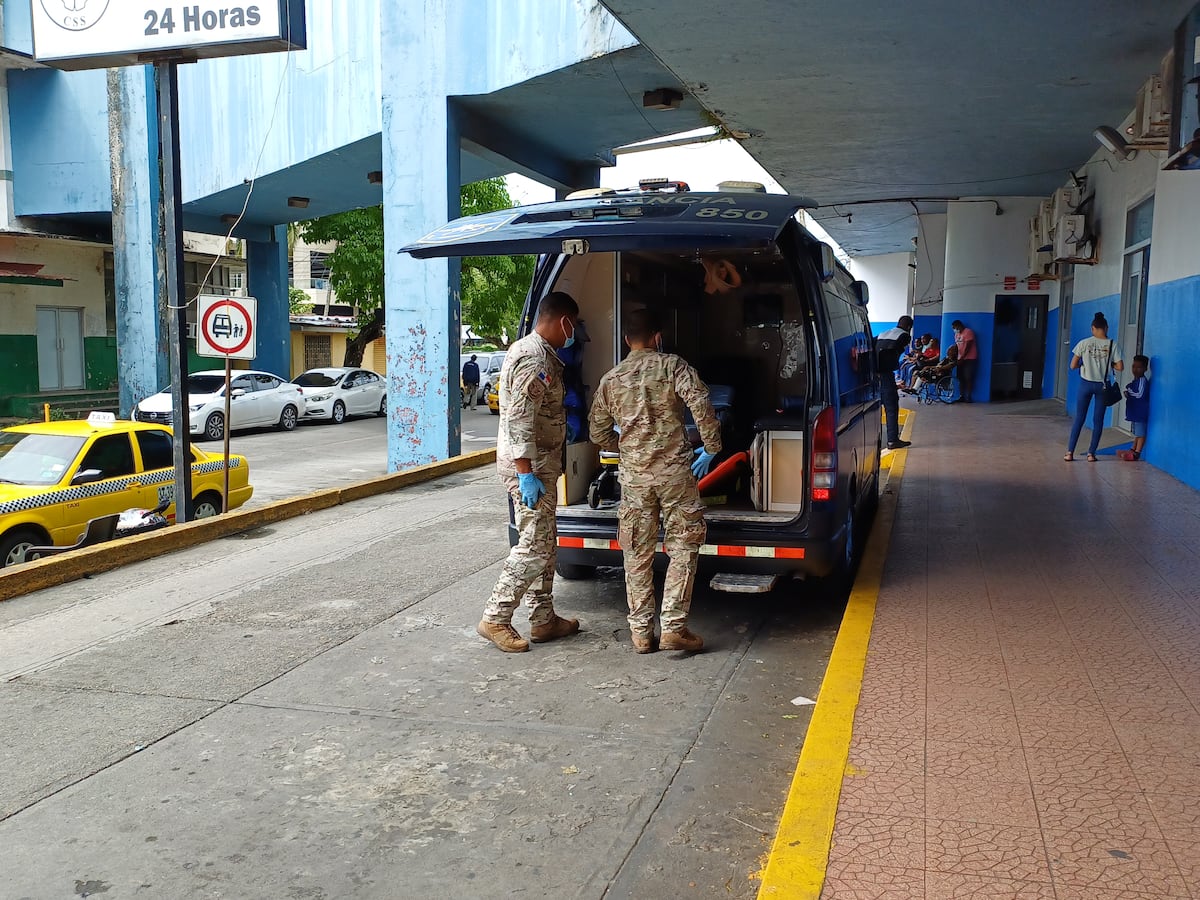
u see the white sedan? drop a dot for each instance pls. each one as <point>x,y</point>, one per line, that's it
<point>255,399</point>
<point>338,392</point>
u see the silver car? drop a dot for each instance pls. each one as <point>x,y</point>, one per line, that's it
<point>333,393</point>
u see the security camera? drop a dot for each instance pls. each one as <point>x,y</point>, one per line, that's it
<point>1110,139</point>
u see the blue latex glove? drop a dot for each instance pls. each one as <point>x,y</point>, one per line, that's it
<point>532,490</point>
<point>703,463</point>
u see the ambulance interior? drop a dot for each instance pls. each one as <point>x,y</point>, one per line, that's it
<point>735,316</point>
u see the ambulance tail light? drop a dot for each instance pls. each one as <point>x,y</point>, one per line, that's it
<point>824,456</point>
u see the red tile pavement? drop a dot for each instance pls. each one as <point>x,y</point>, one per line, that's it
<point>1029,724</point>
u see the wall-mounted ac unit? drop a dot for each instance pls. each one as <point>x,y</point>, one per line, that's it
<point>1070,238</point>
<point>1152,115</point>
<point>1046,214</point>
<point>1065,201</point>
<point>1041,262</point>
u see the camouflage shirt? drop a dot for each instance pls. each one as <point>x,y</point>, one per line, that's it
<point>644,396</point>
<point>533,424</point>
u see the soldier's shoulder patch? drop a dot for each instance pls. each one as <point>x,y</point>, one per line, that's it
<point>545,377</point>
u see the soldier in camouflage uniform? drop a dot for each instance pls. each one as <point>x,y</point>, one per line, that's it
<point>529,458</point>
<point>639,409</point>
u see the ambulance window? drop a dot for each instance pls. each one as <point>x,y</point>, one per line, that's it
<point>112,455</point>
<point>157,450</point>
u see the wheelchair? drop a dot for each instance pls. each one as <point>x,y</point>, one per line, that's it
<point>938,390</point>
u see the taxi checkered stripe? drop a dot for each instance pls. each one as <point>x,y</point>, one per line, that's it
<point>109,486</point>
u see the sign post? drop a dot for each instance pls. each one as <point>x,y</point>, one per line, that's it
<point>226,327</point>
<point>97,34</point>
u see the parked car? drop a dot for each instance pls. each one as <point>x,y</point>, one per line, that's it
<point>334,393</point>
<point>489,375</point>
<point>493,399</point>
<point>56,476</point>
<point>776,326</point>
<point>257,399</point>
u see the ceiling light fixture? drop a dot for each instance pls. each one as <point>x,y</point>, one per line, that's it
<point>1110,139</point>
<point>298,202</point>
<point>663,98</point>
<point>230,218</point>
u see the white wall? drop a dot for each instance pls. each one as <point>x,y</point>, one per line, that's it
<point>930,258</point>
<point>80,262</point>
<point>887,278</point>
<point>982,248</point>
<point>1175,252</point>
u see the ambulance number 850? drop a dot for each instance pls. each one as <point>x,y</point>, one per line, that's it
<point>714,212</point>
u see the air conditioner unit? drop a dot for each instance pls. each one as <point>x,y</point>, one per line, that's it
<point>1041,262</point>
<point>1046,214</point>
<point>1065,201</point>
<point>1069,243</point>
<point>1152,115</point>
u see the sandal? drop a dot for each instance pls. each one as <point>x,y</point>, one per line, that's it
<point>1091,457</point>
<point>1070,457</point>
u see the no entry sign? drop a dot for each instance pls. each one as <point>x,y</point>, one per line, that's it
<point>226,327</point>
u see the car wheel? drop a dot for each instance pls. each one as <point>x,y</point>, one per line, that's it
<point>14,544</point>
<point>382,407</point>
<point>214,427</point>
<point>208,505</point>
<point>574,572</point>
<point>339,413</point>
<point>495,412</point>
<point>287,419</point>
<point>841,579</point>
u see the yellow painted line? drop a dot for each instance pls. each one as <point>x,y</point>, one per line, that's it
<point>16,581</point>
<point>799,857</point>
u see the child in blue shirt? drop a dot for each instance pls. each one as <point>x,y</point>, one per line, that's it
<point>1137,407</point>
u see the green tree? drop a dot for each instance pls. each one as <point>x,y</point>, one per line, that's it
<point>355,269</point>
<point>299,303</point>
<point>493,288</point>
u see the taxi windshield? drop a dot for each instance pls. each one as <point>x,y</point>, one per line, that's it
<point>36,459</point>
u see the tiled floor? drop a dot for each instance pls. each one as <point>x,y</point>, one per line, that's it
<point>1030,717</point>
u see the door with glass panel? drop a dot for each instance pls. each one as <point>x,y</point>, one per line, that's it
<point>60,348</point>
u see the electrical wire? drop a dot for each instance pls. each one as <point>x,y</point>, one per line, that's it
<point>903,184</point>
<point>288,69</point>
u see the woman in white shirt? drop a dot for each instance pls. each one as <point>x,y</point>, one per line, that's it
<point>1093,356</point>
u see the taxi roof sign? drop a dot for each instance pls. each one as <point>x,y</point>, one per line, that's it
<point>101,419</point>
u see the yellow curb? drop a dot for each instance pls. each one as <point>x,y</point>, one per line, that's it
<point>799,857</point>
<point>53,571</point>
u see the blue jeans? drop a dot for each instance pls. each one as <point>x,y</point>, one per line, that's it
<point>1089,392</point>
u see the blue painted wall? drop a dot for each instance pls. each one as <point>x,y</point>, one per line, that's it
<point>59,126</point>
<point>1081,327</point>
<point>928,325</point>
<point>1172,322</point>
<point>981,324</point>
<point>1050,370</point>
<point>18,26</point>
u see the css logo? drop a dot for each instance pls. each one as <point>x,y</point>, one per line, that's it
<point>75,15</point>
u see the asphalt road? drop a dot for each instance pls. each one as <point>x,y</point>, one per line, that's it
<point>320,455</point>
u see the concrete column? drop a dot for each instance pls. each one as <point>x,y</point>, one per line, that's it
<point>929,277</point>
<point>420,191</point>
<point>982,249</point>
<point>6,163</point>
<point>267,282</point>
<point>139,272</point>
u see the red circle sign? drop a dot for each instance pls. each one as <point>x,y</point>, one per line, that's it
<point>212,339</point>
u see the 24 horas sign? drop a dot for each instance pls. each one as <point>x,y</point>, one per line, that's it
<point>88,34</point>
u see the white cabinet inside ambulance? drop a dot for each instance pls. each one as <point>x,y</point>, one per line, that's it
<point>775,325</point>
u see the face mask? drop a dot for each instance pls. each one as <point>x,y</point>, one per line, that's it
<point>570,338</point>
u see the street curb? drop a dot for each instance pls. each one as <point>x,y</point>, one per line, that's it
<point>67,567</point>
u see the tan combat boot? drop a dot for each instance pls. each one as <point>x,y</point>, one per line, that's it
<point>503,636</point>
<point>555,628</point>
<point>680,640</point>
<point>643,643</point>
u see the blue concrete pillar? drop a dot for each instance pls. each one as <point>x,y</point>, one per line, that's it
<point>139,279</point>
<point>421,189</point>
<point>267,282</point>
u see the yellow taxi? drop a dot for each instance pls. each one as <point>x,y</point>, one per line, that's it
<point>493,398</point>
<point>56,476</point>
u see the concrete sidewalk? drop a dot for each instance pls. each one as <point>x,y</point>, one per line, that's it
<point>305,711</point>
<point>1029,723</point>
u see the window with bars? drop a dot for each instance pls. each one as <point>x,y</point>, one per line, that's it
<point>318,270</point>
<point>318,351</point>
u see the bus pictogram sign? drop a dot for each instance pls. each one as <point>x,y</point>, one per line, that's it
<point>227,326</point>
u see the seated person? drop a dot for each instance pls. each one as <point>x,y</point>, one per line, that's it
<point>935,372</point>
<point>908,362</point>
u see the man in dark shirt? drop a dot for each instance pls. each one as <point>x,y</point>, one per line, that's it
<point>470,379</point>
<point>888,347</point>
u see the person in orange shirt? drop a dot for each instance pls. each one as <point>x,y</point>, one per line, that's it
<point>968,359</point>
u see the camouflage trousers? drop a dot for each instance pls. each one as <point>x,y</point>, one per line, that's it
<point>529,570</point>
<point>678,501</point>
